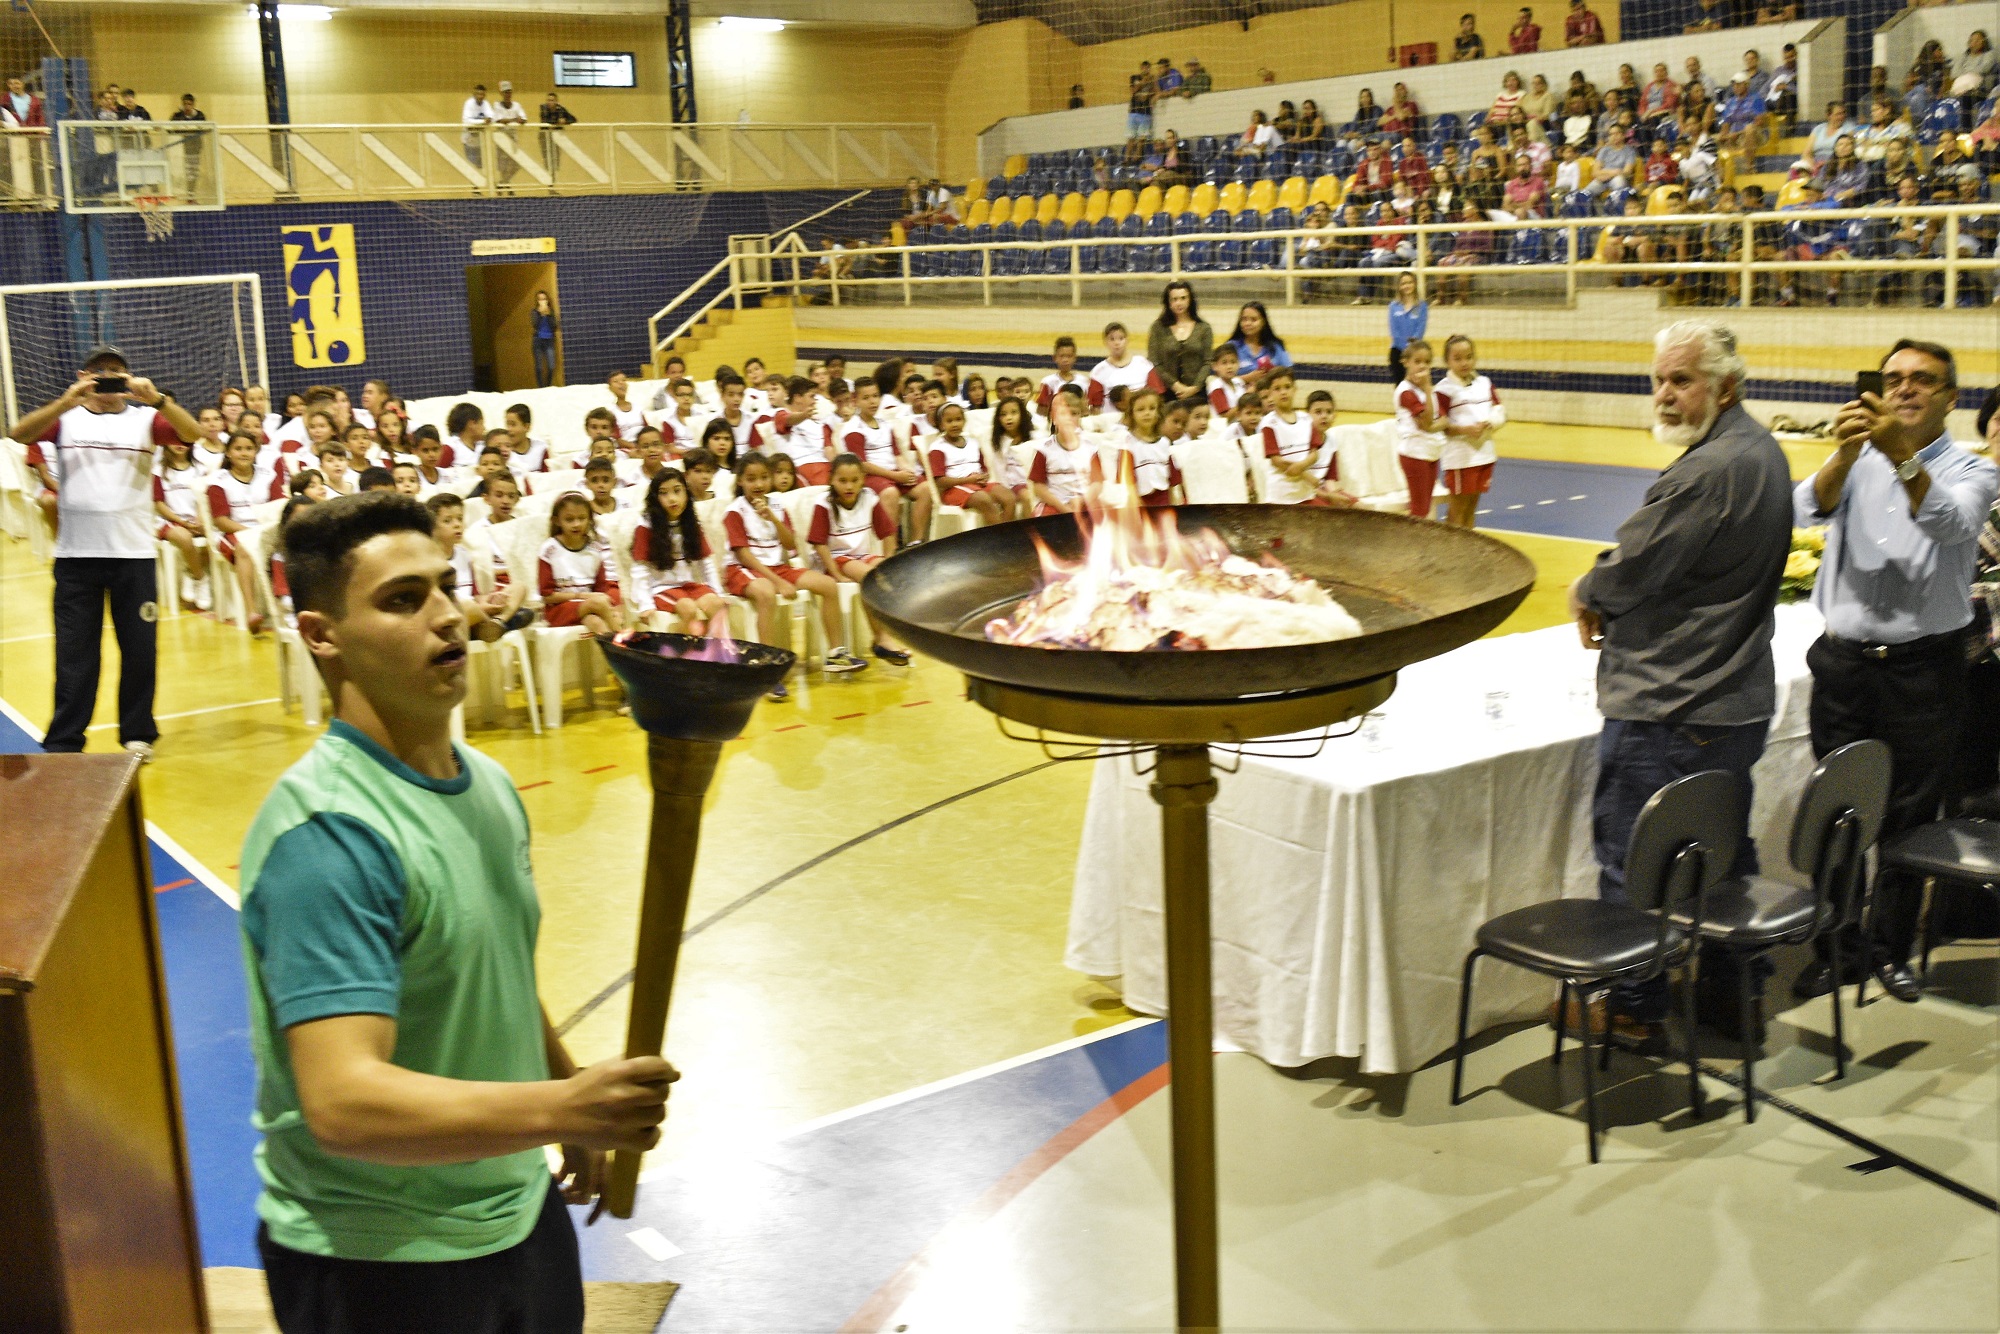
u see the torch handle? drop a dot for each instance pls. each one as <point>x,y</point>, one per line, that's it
<point>681,772</point>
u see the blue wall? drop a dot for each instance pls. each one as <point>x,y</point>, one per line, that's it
<point>618,258</point>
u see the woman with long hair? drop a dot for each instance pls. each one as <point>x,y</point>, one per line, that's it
<point>1259,350</point>
<point>1180,343</point>
<point>546,326</point>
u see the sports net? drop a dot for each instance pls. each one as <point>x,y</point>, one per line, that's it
<point>192,337</point>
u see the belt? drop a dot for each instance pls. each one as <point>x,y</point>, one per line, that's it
<point>1912,648</point>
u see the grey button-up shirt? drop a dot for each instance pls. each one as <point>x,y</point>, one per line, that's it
<point>1890,576</point>
<point>1688,595</point>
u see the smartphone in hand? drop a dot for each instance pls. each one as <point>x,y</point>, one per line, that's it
<point>1868,382</point>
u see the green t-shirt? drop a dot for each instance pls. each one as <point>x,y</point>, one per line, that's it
<point>371,889</point>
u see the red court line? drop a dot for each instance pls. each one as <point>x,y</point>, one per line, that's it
<point>172,884</point>
<point>913,703</point>
<point>793,728</point>
<point>843,717</point>
<point>600,768</point>
<point>883,1304</point>
<point>542,782</point>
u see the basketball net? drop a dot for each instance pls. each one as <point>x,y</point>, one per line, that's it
<point>155,213</point>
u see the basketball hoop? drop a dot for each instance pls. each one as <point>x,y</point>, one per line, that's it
<point>156,212</point>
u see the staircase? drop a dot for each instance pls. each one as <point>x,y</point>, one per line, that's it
<point>727,336</point>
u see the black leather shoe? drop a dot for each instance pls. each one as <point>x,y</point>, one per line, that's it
<point>1817,979</point>
<point>1897,979</point>
<point>1719,1006</point>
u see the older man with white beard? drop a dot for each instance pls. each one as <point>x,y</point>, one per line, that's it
<point>1682,609</point>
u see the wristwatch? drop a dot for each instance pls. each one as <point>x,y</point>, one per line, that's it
<point>1907,470</point>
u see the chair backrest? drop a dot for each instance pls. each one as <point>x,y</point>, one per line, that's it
<point>1024,210</point>
<point>1015,165</point>
<point>1202,199</point>
<point>1175,201</point>
<point>1292,194</point>
<point>1149,201</point>
<point>1685,841</point>
<point>1047,207</point>
<point>1325,190</point>
<point>1071,208</point>
<point>978,212</point>
<point>1839,819</point>
<point>1095,207</point>
<point>1212,471</point>
<point>1263,196</point>
<point>555,481</point>
<point>1230,200</point>
<point>1122,204</point>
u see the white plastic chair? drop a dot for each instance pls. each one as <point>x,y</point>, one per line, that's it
<point>298,675</point>
<point>224,594</point>
<point>490,663</point>
<point>555,481</point>
<point>1211,472</point>
<point>550,644</point>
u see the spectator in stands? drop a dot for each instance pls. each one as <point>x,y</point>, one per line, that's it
<point>1878,88</point>
<point>1286,123</point>
<point>1139,109</point>
<point>1075,97</point>
<point>1471,245</point>
<point>1266,76</point>
<point>1696,75</point>
<point>1819,146</point>
<point>1538,104</point>
<point>1312,131</point>
<point>1817,239</point>
<point>1709,16</point>
<point>474,115</point>
<point>1721,243</point>
<point>555,118</point>
<point>1975,72</point>
<point>129,108</point>
<point>1169,83</point>
<point>1917,96</point>
<point>1740,117</point>
<point>1949,168</point>
<point>1349,245</point>
<point>1782,93</point>
<point>1784,11</point>
<point>1375,175</point>
<point>1366,113</point>
<point>1660,98</point>
<point>1572,173</point>
<point>1198,80</point>
<point>1578,127</point>
<point>1843,178</point>
<point>1579,83</point>
<point>21,109</point>
<point>1507,99</point>
<point>1482,188</point>
<point>1468,45</point>
<point>1897,163</point>
<point>1582,27</point>
<point>1538,150</point>
<point>1661,169</point>
<point>1487,152</point>
<point>1258,138</point>
<point>1617,160</point>
<point>509,116</point>
<point>1697,118</point>
<point>1932,66</point>
<point>1403,114</point>
<point>1526,194</point>
<point>1445,193</point>
<point>1525,37</point>
<point>1627,87</point>
<point>1985,141</point>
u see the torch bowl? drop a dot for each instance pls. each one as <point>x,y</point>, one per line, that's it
<point>693,699</point>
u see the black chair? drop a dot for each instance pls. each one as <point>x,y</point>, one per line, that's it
<point>1682,846</point>
<point>1962,851</point>
<point>1839,817</point>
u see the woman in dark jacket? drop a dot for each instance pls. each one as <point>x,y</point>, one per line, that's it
<point>1180,342</point>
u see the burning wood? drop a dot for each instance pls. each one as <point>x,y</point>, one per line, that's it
<point>1143,586</point>
<point>717,648</point>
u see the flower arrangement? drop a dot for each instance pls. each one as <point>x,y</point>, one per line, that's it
<point>1802,565</point>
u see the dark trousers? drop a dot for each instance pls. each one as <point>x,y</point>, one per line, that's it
<point>1914,700</point>
<point>1975,768</point>
<point>83,583</point>
<point>1635,760</point>
<point>545,362</point>
<point>535,1287</point>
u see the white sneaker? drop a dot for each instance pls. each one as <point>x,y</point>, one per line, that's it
<point>143,749</point>
<point>187,590</point>
<point>201,598</point>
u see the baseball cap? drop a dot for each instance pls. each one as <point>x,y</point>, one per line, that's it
<point>105,352</point>
<point>1741,76</point>
<point>506,87</point>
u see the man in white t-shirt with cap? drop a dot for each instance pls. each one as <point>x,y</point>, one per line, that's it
<point>505,115</point>
<point>476,112</point>
<point>98,442</point>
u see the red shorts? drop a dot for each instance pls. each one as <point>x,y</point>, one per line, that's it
<point>167,529</point>
<point>840,563</point>
<point>225,547</point>
<point>571,612</point>
<point>814,474</point>
<point>959,495</point>
<point>1043,510</point>
<point>736,578</point>
<point>879,484</point>
<point>1422,475</point>
<point>669,598</point>
<point>1475,481</point>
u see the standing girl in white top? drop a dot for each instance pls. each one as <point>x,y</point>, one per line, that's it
<point>1420,422</point>
<point>1472,414</point>
<point>628,417</point>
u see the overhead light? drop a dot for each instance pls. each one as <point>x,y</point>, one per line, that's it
<point>751,25</point>
<point>301,13</point>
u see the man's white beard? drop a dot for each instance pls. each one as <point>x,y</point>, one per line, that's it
<point>1688,434</point>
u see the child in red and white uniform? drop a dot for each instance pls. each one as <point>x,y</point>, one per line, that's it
<point>670,558</point>
<point>885,469</point>
<point>1472,414</point>
<point>1145,457</point>
<point>622,409</point>
<point>682,424</point>
<point>177,482</point>
<point>1065,373</point>
<point>1420,427</point>
<point>847,524</point>
<point>736,415</point>
<point>801,436</point>
<point>233,498</point>
<point>1013,425</point>
<point>1060,478</point>
<point>757,389</point>
<point>1295,447</point>
<point>1224,386</point>
<point>528,452</point>
<point>604,499</point>
<point>485,601</point>
<point>1121,367</point>
<point>958,466</point>
<point>758,566</point>
<point>209,450</point>
<point>573,571</point>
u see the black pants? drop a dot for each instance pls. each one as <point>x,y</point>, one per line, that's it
<point>1914,700</point>
<point>1976,766</point>
<point>82,585</point>
<point>535,1287</point>
<point>1396,364</point>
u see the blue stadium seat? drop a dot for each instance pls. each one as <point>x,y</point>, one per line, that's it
<point>982,234</point>
<point>1019,261</point>
<point>1004,231</point>
<point>1246,172</point>
<point>1473,122</point>
<point>1218,173</point>
<point>1195,255</point>
<point>924,265</point>
<point>1055,259</point>
<point>1577,204</point>
<point>1444,128</point>
<point>1940,120</point>
<point>1614,202</point>
<point>1279,219</point>
<point>1528,247</point>
<point>1341,162</point>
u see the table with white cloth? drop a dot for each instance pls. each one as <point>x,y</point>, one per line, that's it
<point>1347,886</point>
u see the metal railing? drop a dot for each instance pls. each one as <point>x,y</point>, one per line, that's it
<point>205,164</point>
<point>1544,260</point>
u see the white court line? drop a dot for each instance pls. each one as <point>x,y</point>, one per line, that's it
<point>1579,497</point>
<point>1546,502</point>
<point>656,1247</point>
<point>20,720</point>
<point>195,713</point>
<point>24,639</point>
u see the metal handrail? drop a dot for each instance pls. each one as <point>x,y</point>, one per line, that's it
<point>732,287</point>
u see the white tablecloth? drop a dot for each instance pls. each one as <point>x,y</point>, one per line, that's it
<point>1347,887</point>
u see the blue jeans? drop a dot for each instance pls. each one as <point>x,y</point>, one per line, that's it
<point>545,362</point>
<point>1635,760</point>
<point>1139,125</point>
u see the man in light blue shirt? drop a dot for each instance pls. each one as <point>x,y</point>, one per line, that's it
<point>1903,507</point>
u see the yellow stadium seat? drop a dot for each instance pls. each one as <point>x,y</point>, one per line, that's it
<point>1791,192</point>
<point>975,189</point>
<point>1046,208</point>
<point>1230,200</point>
<point>1292,194</point>
<point>1201,200</point>
<point>1326,190</point>
<point>1176,201</point>
<point>1262,198</point>
<point>1024,210</point>
<point>1149,201</point>
<point>1096,206</point>
<point>1072,209</point>
<point>1586,171</point>
<point>1015,165</point>
<point>1666,199</point>
<point>897,236</point>
<point>977,214</point>
<point>1121,205</point>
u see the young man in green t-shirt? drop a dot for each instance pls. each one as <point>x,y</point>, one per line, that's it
<point>407,1077</point>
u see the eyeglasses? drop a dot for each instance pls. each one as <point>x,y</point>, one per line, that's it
<point>1928,381</point>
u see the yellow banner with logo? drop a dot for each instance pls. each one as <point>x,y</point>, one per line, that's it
<point>323,295</point>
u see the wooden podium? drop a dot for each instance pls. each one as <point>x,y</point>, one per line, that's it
<point>97,1226</point>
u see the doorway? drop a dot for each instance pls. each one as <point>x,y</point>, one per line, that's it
<point>499,306</point>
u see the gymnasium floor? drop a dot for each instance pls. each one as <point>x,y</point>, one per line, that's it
<point>900,1111</point>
